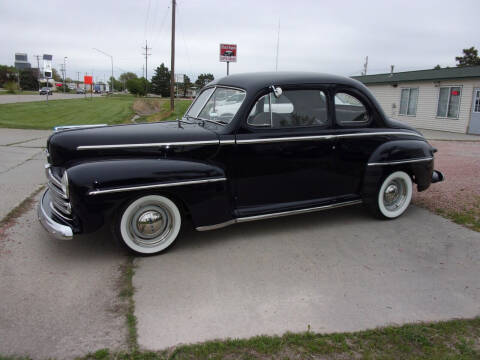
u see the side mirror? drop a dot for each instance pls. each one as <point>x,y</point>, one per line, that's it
<point>277,91</point>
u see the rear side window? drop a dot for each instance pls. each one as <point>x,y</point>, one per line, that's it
<point>294,108</point>
<point>349,110</point>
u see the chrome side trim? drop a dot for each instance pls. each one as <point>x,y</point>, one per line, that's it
<point>69,127</point>
<point>325,137</point>
<point>278,214</point>
<point>155,186</point>
<point>128,146</point>
<point>227,142</point>
<point>406,161</point>
<point>58,231</point>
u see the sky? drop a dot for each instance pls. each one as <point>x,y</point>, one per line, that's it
<point>322,36</point>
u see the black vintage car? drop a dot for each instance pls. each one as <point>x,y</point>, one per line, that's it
<point>250,147</point>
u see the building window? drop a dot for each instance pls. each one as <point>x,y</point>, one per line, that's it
<point>449,102</point>
<point>408,101</point>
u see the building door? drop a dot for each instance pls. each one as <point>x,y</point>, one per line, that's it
<point>474,127</point>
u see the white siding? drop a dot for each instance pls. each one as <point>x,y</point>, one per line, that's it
<point>426,117</point>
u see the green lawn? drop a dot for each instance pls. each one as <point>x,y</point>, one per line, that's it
<point>40,115</point>
<point>26,92</point>
<point>181,107</point>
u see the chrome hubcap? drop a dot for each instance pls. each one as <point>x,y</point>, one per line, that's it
<point>150,225</point>
<point>395,194</point>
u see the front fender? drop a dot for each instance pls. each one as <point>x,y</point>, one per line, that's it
<point>98,189</point>
<point>413,156</point>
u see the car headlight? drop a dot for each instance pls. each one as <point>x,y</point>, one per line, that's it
<point>65,183</point>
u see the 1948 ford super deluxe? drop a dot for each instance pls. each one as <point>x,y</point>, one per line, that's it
<point>250,147</point>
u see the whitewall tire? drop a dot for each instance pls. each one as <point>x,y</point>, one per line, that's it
<point>394,195</point>
<point>149,225</point>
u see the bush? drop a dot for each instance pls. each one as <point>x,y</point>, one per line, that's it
<point>60,88</point>
<point>11,87</point>
<point>136,87</point>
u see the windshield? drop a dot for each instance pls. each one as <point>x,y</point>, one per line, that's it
<point>218,105</point>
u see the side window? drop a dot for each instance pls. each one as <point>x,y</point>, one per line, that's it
<point>349,110</point>
<point>294,108</point>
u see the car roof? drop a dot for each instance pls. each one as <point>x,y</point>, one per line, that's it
<point>258,80</point>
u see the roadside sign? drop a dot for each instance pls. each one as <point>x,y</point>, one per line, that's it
<point>88,79</point>
<point>228,52</point>
<point>179,78</point>
<point>47,66</point>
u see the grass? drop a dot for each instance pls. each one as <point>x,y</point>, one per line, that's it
<point>468,216</point>
<point>40,115</point>
<point>181,107</point>
<point>18,92</point>
<point>126,292</point>
<point>455,339</point>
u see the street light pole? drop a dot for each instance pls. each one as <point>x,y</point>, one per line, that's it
<point>111,59</point>
<point>64,72</point>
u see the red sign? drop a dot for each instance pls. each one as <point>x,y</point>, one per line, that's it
<point>455,92</point>
<point>228,52</point>
<point>88,79</point>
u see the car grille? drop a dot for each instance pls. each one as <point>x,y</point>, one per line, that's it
<point>60,203</point>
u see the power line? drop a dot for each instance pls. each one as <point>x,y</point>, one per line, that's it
<point>159,32</point>
<point>146,19</point>
<point>184,41</point>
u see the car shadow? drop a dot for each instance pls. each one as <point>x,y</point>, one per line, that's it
<point>253,231</point>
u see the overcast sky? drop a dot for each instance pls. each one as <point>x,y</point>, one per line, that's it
<point>323,36</point>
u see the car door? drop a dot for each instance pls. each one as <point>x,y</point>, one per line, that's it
<point>283,157</point>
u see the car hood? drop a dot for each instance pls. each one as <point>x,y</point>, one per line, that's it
<point>127,140</point>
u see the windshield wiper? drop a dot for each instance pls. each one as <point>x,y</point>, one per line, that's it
<point>221,122</point>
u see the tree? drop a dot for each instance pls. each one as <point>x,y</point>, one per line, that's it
<point>183,87</point>
<point>470,57</point>
<point>55,75</point>
<point>203,79</point>
<point>117,85</point>
<point>7,73</point>
<point>438,67</point>
<point>28,79</point>
<point>127,76</point>
<point>161,81</point>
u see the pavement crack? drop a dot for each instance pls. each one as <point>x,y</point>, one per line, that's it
<point>23,141</point>
<point>21,163</point>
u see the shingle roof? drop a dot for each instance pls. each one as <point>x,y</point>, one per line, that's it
<point>419,75</point>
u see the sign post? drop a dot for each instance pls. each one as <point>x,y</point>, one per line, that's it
<point>228,53</point>
<point>47,69</point>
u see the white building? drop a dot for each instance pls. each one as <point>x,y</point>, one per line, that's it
<point>445,99</point>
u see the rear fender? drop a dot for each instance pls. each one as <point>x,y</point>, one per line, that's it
<point>412,156</point>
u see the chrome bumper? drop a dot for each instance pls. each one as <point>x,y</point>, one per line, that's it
<point>57,230</point>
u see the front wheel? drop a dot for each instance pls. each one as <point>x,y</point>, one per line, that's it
<point>149,225</point>
<point>394,195</point>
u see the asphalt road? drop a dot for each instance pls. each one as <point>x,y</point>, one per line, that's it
<point>333,271</point>
<point>7,99</point>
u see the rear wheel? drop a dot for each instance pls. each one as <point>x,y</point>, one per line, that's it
<point>394,195</point>
<point>149,224</point>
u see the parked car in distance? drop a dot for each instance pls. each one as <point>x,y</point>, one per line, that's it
<point>44,90</point>
<point>250,147</point>
<point>80,91</point>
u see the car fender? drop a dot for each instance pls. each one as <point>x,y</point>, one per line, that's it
<point>413,156</point>
<point>98,189</point>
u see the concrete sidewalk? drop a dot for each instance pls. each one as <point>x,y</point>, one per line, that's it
<point>22,162</point>
<point>334,271</point>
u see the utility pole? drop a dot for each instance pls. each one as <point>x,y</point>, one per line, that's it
<point>64,72</point>
<point>172,62</point>
<point>146,66</point>
<point>78,79</point>
<point>365,66</point>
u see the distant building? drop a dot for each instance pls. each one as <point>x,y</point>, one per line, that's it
<point>445,99</point>
<point>21,61</point>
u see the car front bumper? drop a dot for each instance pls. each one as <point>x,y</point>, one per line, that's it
<point>55,229</point>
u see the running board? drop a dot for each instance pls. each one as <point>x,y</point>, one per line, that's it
<point>277,214</point>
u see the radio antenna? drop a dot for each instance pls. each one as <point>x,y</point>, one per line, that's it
<point>278,45</point>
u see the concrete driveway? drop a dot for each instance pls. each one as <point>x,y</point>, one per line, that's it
<point>338,270</point>
<point>7,99</point>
